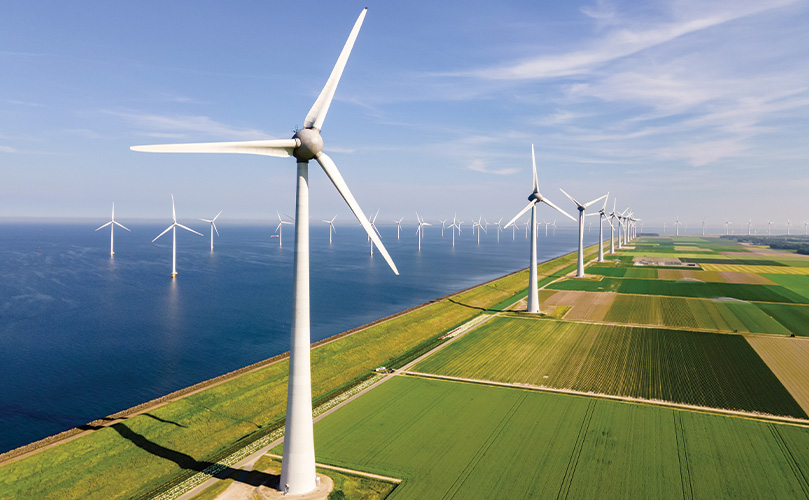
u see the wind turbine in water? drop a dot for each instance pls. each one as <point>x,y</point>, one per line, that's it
<point>173,228</point>
<point>331,226</point>
<point>582,208</point>
<point>399,227</point>
<point>213,226</point>
<point>456,224</point>
<point>373,226</point>
<point>298,464</point>
<point>533,200</point>
<point>420,228</point>
<point>280,227</point>
<point>112,223</point>
<point>443,223</point>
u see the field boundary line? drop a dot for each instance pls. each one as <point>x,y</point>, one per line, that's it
<point>763,417</point>
<point>682,457</point>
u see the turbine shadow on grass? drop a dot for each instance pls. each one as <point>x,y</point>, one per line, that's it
<point>187,462</point>
<point>470,306</point>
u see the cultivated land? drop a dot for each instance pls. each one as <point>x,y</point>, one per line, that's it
<point>687,385</point>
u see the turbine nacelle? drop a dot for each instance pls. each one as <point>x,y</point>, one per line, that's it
<point>310,143</point>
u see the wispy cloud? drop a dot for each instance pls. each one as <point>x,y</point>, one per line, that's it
<point>7,149</point>
<point>186,126</point>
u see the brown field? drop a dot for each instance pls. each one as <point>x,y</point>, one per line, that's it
<point>748,278</point>
<point>690,274</point>
<point>763,252</point>
<point>590,306</point>
<point>787,358</point>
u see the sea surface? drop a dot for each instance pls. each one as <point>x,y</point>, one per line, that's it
<point>84,335</point>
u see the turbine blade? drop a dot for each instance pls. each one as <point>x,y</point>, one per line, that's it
<point>593,201</point>
<point>217,215</point>
<point>273,147</point>
<point>164,232</point>
<point>527,207</point>
<point>331,170</point>
<point>120,225</point>
<point>173,212</point>
<point>214,227</point>
<point>550,204</point>
<point>534,163</point>
<point>189,229</point>
<point>314,119</point>
<point>105,225</point>
<point>571,198</point>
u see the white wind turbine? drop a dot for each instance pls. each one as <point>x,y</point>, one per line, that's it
<point>788,224</point>
<point>456,224</point>
<point>703,226</point>
<point>533,200</point>
<point>805,228</point>
<point>499,228</point>
<point>443,223</point>
<point>173,228</point>
<point>727,226</point>
<point>373,226</point>
<point>582,208</point>
<point>399,226</point>
<point>769,224</point>
<point>526,228</point>
<point>677,227</point>
<point>749,225</point>
<point>213,226</point>
<point>112,223</point>
<point>614,217</point>
<point>298,465</point>
<point>476,223</point>
<point>331,226</point>
<point>602,214</point>
<point>280,227</point>
<point>420,228</point>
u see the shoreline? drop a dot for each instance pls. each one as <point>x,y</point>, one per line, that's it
<point>106,421</point>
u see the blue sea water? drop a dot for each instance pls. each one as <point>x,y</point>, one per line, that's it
<point>83,335</point>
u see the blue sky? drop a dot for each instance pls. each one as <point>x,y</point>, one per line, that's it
<point>680,108</point>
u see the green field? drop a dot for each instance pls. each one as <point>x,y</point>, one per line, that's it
<point>794,318</point>
<point>704,369</point>
<point>741,291</point>
<point>794,282</point>
<point>622,272</point>
<point>698,314</point>
<point>464,441</point>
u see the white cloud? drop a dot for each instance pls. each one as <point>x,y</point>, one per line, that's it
<point>7,149</point>
<point>187,126</point>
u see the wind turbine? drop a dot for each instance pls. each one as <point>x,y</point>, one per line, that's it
<point>703,226</point>
<point>614,216</point>
<point>533,200</point>
<point>112,223</point>
<point>769,224</point>
<point>213,226</point>
<point>554,227</point>
<point>298,464</point>
<point>749,223</point>
<point>455,225</point>
<point>497,224</point>
<point>805,228</point>
<point>788,224</point>
<point>443,223</point>
<point>373,226</point>
<point>476,223</point>
<point>602,214</point>
<point>399,226</point>
<point>526,229</point>
<point>280,228</point>
<point>331,226</point>
<point>727,225</point>
<point>677,227</point>
<point>420,228</point>
<point>582,208</point>
<point>173,227</point>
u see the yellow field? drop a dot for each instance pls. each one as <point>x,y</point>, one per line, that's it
<point>786,357</point>
<point>591,306</point>
<point>755,269</point>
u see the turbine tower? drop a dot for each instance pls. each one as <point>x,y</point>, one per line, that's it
<point>443,223</point>
<point>677,227</point>
<point>331,226</point>
<point>173,227</point>
<point>455,225</point>
<point>112,223</point>
<point>602,214</point>
<point>613,215</point>
<point>373,226</point>
<point>298,465</point>
<point>703,226</point>
<point>582,208</point>
<point>213,226</point>
<point>533,199</point>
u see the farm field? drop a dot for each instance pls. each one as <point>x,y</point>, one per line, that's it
<point>797,283</point>
<point>740,291</point>
<point>702,369</point>
<point>786,358</point>
<point>456,440</point>
<point>756,268</point>
<point>795,318</point>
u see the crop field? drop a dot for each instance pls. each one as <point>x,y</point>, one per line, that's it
<point>797,283</point>
<point>795,318</point>
<point>622,272</point>
<point>741,291</point>
<point>583,305</point>
<point>761,269</point>
<point>455,440</point>
<point>786,357</point>
<point>703,369</point>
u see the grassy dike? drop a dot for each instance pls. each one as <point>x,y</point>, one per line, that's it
<point>142,452</point>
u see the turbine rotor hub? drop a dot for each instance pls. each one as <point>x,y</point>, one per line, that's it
<point>535,197</point>
<point>310,144</point>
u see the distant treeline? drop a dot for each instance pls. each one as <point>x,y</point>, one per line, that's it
<point>799,243</point>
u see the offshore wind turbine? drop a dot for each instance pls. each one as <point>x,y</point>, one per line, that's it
<point>331,226</point>
<point>213,226</point>
<point>173,228</point>
<point>533,200</point>
<point>443,223</point>
<point>420,228</point>
<point>112,223</point>
<point>453,226</point>
<point>499,228</point>
<point>373,226</point>
<point>554,227</point>
<point>280,228</point>
<point>476,223</point>
<point>582,208</point>
<point>298,463</point>
<point>398,226</point>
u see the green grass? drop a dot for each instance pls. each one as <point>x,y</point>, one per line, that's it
<point>622,272</point>
<point>737,262</point>
<point>680,288</point>
<point>704,369</point>
<point>794,282</point>
<point>455,440</point>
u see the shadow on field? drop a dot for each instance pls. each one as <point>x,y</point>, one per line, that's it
<point>252,478</point>
<point>467,305</point>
